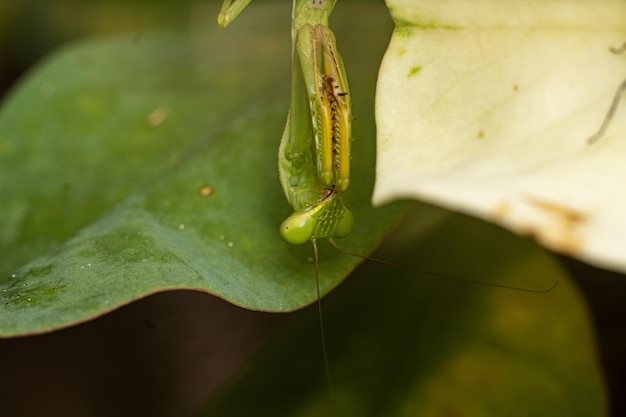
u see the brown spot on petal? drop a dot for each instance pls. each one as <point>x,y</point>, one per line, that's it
<point>500,212</point>
<point>561,230</point>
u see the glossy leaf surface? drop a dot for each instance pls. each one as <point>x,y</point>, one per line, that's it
<point>142,164</point>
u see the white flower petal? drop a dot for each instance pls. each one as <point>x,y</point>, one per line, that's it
<point>485,107</point>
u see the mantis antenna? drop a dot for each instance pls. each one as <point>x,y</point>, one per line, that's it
<point>614,104</point>
<point>314,152</point>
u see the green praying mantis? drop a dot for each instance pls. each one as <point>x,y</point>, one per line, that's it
<point>314,153</point>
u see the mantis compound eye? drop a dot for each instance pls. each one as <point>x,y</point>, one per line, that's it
<point>298,228</point>
<point>345,225</point>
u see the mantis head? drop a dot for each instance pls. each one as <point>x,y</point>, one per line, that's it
<point>326,220</point>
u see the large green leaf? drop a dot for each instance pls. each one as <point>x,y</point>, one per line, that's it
<point>401,344</point>
<point>140,164</point>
